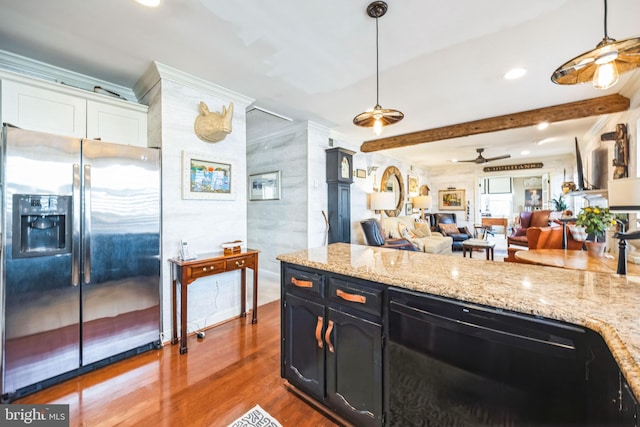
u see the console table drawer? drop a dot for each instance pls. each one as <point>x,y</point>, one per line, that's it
<point>238,263</point>
<point>206,269</point>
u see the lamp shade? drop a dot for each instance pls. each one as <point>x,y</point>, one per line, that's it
<point>624,195</point>
<point>382,201</point>
<point>422,202</point>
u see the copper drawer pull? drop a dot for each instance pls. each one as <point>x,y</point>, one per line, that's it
<point>351,297</point>
<point>319,332</point>
<point>327,335</point>
<point>302,283</point>
<point>240,264</point>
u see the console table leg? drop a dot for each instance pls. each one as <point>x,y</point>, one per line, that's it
<point>254,316</point>
<point>243,292</point>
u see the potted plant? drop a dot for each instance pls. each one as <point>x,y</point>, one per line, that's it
<point>596,221</point>
<point>559,204</point>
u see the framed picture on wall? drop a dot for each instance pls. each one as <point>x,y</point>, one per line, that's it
<point>264,186</point>
<point>532,197</point>
<point>207,177</point>
<point>412,185</point>
<point>451,200</point>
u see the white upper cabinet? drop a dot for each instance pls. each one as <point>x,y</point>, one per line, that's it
<point>33,108</point>
<point>54,108</point>
<point>112,123</point>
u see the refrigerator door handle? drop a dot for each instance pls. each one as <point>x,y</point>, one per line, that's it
<point>75,235</point>
<point>87,224</point>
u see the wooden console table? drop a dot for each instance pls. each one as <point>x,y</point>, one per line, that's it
<point>489,221</point>
<point>184,273</point>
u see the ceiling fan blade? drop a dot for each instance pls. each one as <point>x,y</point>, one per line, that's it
<point>505,156</point>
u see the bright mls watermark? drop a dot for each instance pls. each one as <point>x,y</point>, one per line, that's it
<point>34,415</point>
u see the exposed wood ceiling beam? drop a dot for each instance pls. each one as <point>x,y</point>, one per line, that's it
<point>557,113</point>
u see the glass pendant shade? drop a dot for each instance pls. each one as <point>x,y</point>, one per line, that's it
<point>602,65</point>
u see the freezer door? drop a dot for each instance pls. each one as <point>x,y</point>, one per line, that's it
<point>121,249</point>
<point>41,304</point>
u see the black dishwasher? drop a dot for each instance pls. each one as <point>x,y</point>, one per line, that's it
<point>458,364</point>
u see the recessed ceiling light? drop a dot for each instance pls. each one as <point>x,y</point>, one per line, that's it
<point>525,152</point>
<point>454,160</point>
<point>543,125</point>
<point>516,73</point>
<point>149,3</point>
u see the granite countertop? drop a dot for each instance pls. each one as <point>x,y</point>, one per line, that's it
<point>605,303</point>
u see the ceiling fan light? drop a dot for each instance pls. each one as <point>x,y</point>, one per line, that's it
<point>605,76</point>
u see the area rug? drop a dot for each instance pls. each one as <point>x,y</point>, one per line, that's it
<point>256,417</point>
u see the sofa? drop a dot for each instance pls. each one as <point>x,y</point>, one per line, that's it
<point>417,233</point>
<point>446,224</point>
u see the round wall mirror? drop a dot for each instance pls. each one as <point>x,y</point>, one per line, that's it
<point>392,181</point>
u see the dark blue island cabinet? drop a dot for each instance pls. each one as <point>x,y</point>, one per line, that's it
<point>370,354</point>
<point>332,343</point>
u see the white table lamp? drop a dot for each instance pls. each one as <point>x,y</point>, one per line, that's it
<point>382,201</point>
<point>422,203</point>
<point>624,197</point>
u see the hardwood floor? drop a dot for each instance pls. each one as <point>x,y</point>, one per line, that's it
<point>235,367</point>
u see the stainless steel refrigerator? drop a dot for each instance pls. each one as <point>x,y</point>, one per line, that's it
<point>80,256</point>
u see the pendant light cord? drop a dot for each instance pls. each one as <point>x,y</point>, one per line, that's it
<point>606,36</point>
<point>377,69</point>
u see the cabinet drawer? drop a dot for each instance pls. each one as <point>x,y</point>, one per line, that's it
<point>238,263</point>
<point>304,281</point>
<point>206,269</point>
<point>359,296</point>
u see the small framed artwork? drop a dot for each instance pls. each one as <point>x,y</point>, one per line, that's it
<point>207,177</point>
<point>412,185</point>
<point>264,186</point>
<point>532,197</point>
<point>451,200</point>
<point>408,208</point>
<point>360,173</point>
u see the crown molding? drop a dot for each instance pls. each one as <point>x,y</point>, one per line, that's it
<point>158,71</point>
<point>40,70</point>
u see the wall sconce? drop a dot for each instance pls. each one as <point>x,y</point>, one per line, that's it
<point>371,169</point>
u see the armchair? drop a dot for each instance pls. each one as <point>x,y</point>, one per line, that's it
<point>528,219</point>
<point>545,238</point>
<point>458,234</point>
<point>374,236</point>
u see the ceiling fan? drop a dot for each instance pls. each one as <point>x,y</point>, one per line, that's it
<point>480,159</point>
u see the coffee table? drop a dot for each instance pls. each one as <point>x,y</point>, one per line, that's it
<point>478,244</point>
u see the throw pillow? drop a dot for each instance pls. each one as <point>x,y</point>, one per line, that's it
<point>404,231</point>
<point>422,232</point>
<point>578,233</point>
<point>422,229</point>
<point>449,229</point>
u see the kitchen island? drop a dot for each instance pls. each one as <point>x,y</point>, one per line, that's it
<point>607,304</point>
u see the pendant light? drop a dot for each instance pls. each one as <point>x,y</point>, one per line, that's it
<point>603,64</point>
<point>378,117</point>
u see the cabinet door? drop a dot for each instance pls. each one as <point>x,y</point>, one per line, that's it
<point>42,110</point>
<point>303,347</point>
<point>354,367</point>
<point>117,124</point>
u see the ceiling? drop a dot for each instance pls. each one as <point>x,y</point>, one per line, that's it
<point>441,63</point>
